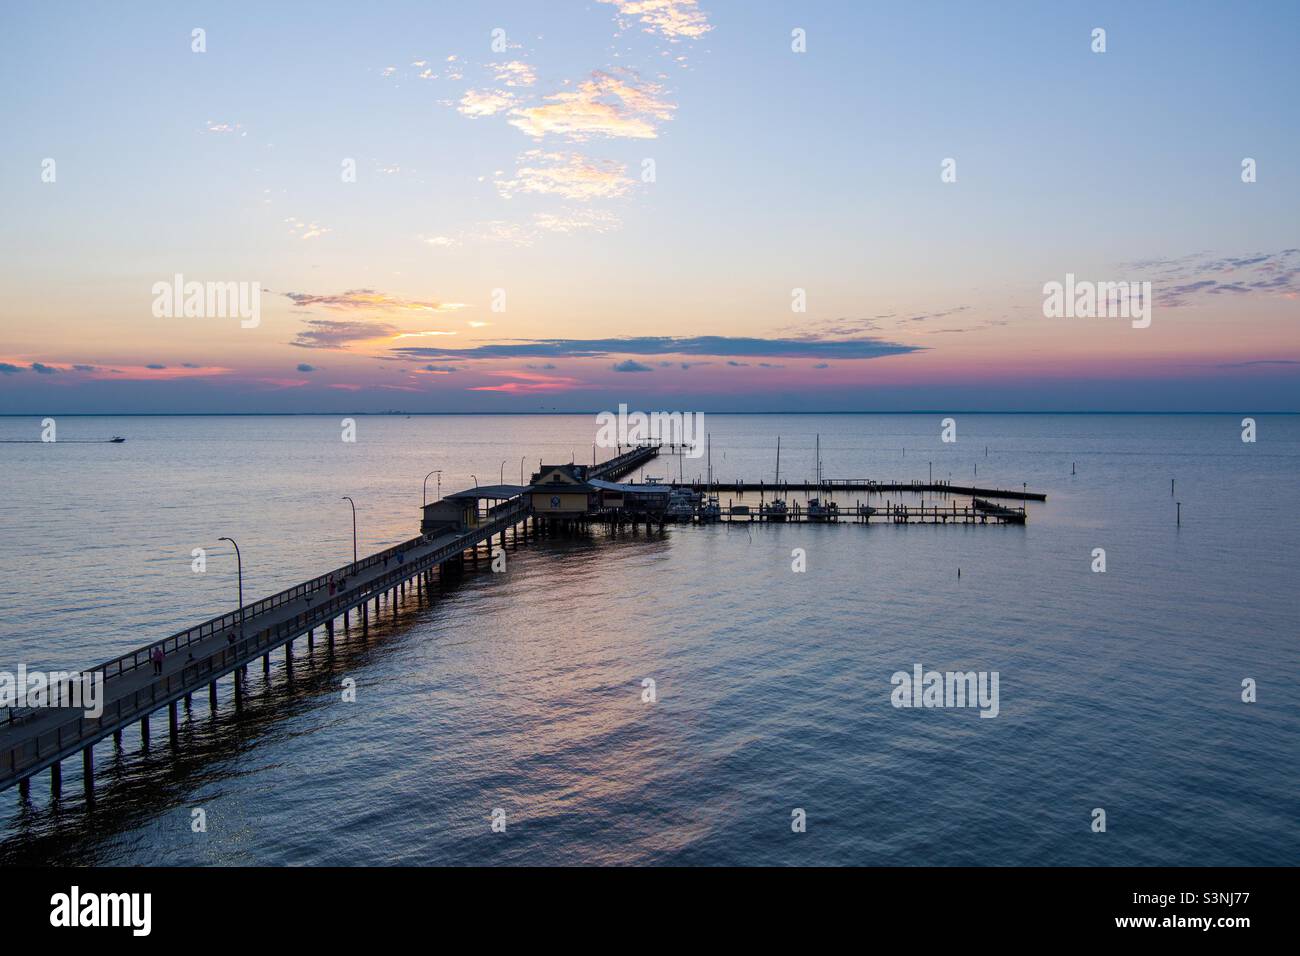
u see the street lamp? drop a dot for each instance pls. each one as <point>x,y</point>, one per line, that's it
<point>521,471</point>
<point>425,498</point>
<point>354,530</point>
<point>503,473</point>
<point>239,559</point>
<point>475,477</point>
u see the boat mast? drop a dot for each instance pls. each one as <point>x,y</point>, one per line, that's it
<point>778,460</point>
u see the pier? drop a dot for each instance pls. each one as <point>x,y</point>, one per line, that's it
<point>462,527</point>
<point>866,485</point>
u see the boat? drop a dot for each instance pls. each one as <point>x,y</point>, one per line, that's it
<point>116,440</point>
<point>711,511</point>
<point>1010,515</point>
<point>822,511</point>
<point>776,509</point>
<point>681,506</point>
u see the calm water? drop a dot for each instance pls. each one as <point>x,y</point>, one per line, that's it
<point>523,691</point>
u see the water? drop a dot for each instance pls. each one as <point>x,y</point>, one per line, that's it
<point>523,691</point>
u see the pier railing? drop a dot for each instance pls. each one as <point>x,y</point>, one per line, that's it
<point>128,662</point>
<point>80,731</point>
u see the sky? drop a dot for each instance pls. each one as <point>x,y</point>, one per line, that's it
<point>722,205</point>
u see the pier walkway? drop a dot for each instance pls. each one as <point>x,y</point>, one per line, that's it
<point>33,739</point>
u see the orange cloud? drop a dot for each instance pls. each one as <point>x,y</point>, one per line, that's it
<point>614,106</point>
<point>671,18</point>
<point>570,175</point>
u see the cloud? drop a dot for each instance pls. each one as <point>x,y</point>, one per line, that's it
<point>476,103</point>
<point>337,334</point>
<point>577,220</point>
<point>1257,362</point>
<point>306,230</point>
<point>8,368</point>
<point>304,367</point>
<point>613,105</point>
<point>570,175</point>
<point>674,19</point>
<point>527,382</point>
<point>700,346</point>
<point>1182,280</point>
<point>156,367</point>
<point>368,300</point>
<point>630,365</point>
<point>214,127</point>
<point>515,73</point>
<point>41,369</point>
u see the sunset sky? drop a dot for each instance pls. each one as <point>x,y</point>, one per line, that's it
<point>517,176</point>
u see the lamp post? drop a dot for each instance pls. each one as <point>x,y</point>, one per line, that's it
<point>425,498</point>
<point>503,472</point>
<point>239,560</point>
<point>521,471</point>
<point>354,531</point>
<point>475,477</point>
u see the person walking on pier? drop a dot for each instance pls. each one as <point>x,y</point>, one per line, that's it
<point>157,657</point>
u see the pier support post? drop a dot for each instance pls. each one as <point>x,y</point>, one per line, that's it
<point>365,616</point>
<point>117,739</point>
<point>266,663</point>
<point>144,733</point>
<point>239,688</point>
<point>311,638</point>
<point>212,697</point>
<point>88,772</point>
<point>329,631</point>
<point>25,789</point>
<point>288,653</point>
<point>345,620</point>
<point>56,780</point>
<point>171,723</point>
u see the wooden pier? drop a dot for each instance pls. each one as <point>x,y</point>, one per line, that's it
<point>890,513</point>
<point>838,485</point>
<point>36,739</point>
<point>33,739</point>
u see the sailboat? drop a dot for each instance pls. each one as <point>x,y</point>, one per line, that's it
<point>775,510</point>
<point>817,509</point>
<point>711,511</point>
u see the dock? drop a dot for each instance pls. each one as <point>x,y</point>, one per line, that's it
<point>863,485</point>
<point>463,527</point>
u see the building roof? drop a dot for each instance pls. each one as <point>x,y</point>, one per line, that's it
<point>496,492</point>
<point>629,489</point>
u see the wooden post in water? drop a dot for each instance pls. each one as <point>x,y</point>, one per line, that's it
<point>144,732</point>
<point>56,780</point>
<point>1180,514</point>
<point>88,772</point>
<point>171,723</point>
